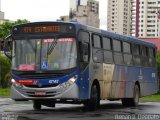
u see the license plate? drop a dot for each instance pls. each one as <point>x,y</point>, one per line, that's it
<point>40,93</point>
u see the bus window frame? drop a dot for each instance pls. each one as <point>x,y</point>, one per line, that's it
<point>97,48</point>
<point>115,53</point>
<point>107,50</point>
<point>136,55</point>
<point>127,53</point>
<point>83,64</point>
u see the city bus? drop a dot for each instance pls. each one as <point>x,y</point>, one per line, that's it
<point>68,62</point>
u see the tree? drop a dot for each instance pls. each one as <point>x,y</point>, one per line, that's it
<point>5,28</point>
<point>4,71</point>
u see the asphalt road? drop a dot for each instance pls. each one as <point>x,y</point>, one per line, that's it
<point>11,110</point>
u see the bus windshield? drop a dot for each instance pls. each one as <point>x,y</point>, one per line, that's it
<point>44,54</point>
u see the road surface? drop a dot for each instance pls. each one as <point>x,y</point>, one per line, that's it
<point>11,110</point>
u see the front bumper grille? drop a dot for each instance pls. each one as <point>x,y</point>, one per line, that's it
<point>35,75</point>
<point>42,86</point>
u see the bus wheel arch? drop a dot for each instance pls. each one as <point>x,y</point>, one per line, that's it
<point>135,99</point>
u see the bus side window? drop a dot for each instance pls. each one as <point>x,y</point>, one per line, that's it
<point>97,51</point>
<point>145,58</point>
<point>97,41</point>
<point>117,48</point>
<point>152,61</point>
<point>136,54</point>
<point>83,36</point>
<point>108,55</point>
<point>127,53</point>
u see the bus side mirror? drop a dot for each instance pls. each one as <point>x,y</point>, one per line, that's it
<point>8,46</point>
<point>84,52</point>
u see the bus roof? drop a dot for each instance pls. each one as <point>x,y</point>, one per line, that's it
<point>117,36</point>
<point>96,30</point>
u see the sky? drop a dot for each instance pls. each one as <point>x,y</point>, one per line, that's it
<point>43,10</point>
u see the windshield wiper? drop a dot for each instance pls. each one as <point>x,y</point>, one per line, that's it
<point>52,46</point>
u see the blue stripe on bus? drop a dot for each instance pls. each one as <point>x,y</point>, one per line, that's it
<point>147,78</point>
<point>83,84</point>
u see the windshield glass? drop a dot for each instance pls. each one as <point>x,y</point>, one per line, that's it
<point>44,54</point>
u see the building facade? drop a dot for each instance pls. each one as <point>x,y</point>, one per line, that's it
<point>138,18</point>
<point>119,16</point>
<point>149,20</point>
<point>1,17</point>
<point>87,12</point>
<point>64,18</point>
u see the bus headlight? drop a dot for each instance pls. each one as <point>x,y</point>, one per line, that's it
<point>70,82</point>
<point>16,84</point>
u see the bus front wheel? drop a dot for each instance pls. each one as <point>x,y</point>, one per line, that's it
<point>132,101</point>
<point>37,105</point>
<point>94,101</point>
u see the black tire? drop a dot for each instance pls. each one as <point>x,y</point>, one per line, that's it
<point>36,105</point>
<point>132,102</point>
<point>94,102</point>
<point>136,94</point>
<point>48,104</point>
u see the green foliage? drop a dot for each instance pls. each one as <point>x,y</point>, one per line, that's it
<point>151,98</point>
<point>5,28</point>
<point>5,92</point>
<point>4,71</point>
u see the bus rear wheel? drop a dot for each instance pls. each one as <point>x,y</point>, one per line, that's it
<point>36,105</point>
<point>132,101</point>
<point>94,101</point>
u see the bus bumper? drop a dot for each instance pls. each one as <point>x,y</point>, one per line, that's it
<point>25,93</point>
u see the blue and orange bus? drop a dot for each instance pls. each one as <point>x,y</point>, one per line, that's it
<point>67,62</point>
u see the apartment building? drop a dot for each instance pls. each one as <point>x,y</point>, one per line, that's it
<point>2,20</point>
<point>138,18</point>
<point>86,12</point>
<point>119,16</point>
<point>149,20</point>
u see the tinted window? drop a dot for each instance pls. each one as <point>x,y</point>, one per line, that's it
<point>106,43</point>
<point>152,61</point>
<point>116,45</point>
<point>118,59</point>
<point>96,41</point>
<point>144,51</point>
<point>108,57</point>
<point>97,55</point>
<point>83,36</point>
<point>137,60</point>
<point>151,52</point>
<point>128,59</point>
<point>136,49</point>
<point>126,47</point>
